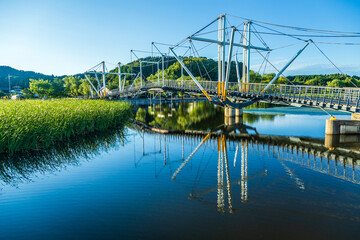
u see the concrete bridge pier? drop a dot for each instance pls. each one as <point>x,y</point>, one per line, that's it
<point>233,116</point>
<point>342,127</point>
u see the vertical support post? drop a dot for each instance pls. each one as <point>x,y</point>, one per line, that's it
<point>248,53</point>
<point>123,86</point>
<point>219,55</point>
<point>119,71</point>
<point>229,61</point>
<point>163,69</point>
<point>91,91</point>
<point>141,73</point>
<point>182,73</point>
<point>223,48</point>
<point>158,73</point>
<point>238,72</point>
<point>244,53</point>
<point>103,63</point>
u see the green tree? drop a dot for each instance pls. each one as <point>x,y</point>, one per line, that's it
<point>41,87</point>
<point>72,85</point>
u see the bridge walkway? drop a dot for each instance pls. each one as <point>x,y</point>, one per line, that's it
<point>343,99</point>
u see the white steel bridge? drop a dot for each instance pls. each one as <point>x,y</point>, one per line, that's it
<point>228,38</point>
<point>343,99</point>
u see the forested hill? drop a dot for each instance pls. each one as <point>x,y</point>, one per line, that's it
<point>201,67</point>
<point>19,77</point>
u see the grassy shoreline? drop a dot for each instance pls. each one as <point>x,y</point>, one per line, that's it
<point>37,124</point>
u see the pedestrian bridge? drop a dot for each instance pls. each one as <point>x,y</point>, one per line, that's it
<point>244,94</point>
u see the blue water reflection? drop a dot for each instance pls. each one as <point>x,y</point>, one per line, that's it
<point>134,184</point>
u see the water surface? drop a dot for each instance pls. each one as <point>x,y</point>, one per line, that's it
<point>133,184</point>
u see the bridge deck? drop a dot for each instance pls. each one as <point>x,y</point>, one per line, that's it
<point>343,99</point>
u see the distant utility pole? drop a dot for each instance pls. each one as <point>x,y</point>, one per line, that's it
<point>9,84</point>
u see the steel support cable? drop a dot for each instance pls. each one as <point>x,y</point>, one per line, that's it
<point>193,47</point>
<point>142,51</point>
<point>167,44</point>
<point>267,57</point>
<point>179,44</point>
<point>96,66</point>
<point>132,52</point>
<point>297,28</point>
<point>326,111</point>
<point>189,48</point>
<point>201,61</point>
<point>167,61</point>
<point>263,62</point>
<point>334,43</point>
<point>205,47</point>
<point>212,31</point>
<point>290,45</point>
<point>205,27</point>
<point>267,60</point>
<point>312,35</point>
<point>332,63</point>
<point>310,29</point>
<point>259,36</point>
<point>285,34</point>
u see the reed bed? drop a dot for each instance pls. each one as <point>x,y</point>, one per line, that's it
<point>37,124</point>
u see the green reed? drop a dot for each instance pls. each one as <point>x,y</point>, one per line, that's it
<point>37,124</point>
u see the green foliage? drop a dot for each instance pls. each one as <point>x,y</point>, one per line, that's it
<point>141,115</point>
<point>34,124</point>
<point>40,87</point>
<point>334,80</point>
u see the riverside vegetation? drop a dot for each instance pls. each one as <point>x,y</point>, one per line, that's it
<point>37,124</point>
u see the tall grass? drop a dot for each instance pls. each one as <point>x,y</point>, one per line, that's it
<point>34,124</point>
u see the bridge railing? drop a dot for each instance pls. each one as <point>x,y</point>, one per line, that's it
<point>314,93</point>
<point>333,95</point>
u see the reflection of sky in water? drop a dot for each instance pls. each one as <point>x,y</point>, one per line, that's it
<point>293,121</point>
<point>122,194</point>
<point>270,192</point>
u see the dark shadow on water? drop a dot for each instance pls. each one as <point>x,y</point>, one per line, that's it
<point>22,166</point>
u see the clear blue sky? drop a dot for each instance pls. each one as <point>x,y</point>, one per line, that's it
<point>68,37</point>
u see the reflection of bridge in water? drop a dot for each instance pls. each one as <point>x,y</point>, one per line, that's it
<point>308,153</point>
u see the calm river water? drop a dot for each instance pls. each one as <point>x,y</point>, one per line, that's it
<point>134,184</point>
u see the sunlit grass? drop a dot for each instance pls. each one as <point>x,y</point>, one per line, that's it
<point>36,124</point>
